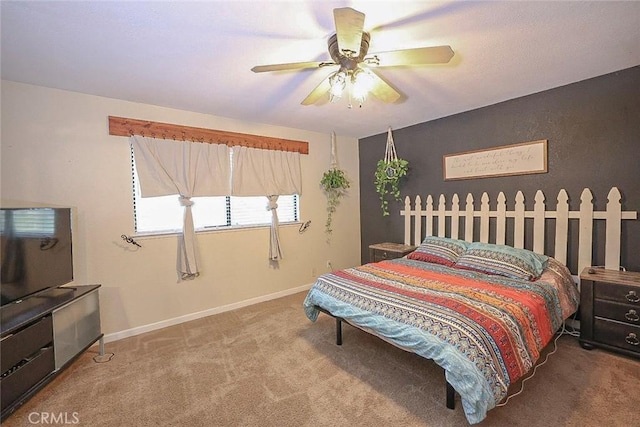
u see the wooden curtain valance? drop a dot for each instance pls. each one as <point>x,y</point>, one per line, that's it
<point>121,126</point>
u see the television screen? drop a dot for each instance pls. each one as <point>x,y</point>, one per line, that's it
<point>35,251</point>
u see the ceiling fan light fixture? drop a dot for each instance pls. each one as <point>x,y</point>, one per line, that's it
<point>337,82</point>
<point>361,84</point>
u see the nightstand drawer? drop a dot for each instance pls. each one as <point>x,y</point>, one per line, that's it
<point>616,292</point>
<point>382,255</point>
<point>617,334</point>
<point>615,311</point>
<point>384,251</point>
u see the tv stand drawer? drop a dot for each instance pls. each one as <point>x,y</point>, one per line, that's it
<point>25,342</point>
<point>24,377</point>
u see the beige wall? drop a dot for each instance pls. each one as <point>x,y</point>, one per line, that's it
<point>56,150</point>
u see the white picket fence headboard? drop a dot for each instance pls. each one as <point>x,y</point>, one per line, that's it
<point>436,219</point>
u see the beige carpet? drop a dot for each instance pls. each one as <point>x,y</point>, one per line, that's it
<point>268,365</point>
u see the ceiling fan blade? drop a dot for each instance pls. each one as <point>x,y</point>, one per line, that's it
<point>383,90</point>
<point>290,66</point>
<point>417,56</point>
<point>349,24</point>
<point>318,92</point>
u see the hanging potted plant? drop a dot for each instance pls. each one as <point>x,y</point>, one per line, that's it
<point>334,183</point>
<point>388,173</point>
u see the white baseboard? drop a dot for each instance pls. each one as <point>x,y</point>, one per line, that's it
<point>193,316</point>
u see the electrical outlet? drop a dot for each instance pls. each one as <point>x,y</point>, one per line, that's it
<point>329,266</point>
<point>313,272</point>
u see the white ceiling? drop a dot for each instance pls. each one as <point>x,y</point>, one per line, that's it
<point>197,56</point>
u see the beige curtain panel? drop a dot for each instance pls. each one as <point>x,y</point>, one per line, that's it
<point>188,169</point>
<point>268,173</point>
<point>259,172</point>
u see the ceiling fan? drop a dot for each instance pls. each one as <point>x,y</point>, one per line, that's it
<point>349,50</point>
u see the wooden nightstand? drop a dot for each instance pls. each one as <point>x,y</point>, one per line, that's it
<point>610,310</point>
<point>383,251</point>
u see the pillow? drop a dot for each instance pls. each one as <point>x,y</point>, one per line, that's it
<point>439,250</point>
<point>502,260</point>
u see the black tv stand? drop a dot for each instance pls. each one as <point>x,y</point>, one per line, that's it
<point>42,335</point>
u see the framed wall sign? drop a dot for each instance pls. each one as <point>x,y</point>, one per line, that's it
<point>515,159</point>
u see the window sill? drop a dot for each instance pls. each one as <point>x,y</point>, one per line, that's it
<point>211,230</point>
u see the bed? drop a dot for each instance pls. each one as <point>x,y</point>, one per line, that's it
<point>482,311</point>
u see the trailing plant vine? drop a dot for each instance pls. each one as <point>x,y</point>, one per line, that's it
<point>334,183</point>
<point>387,180</point>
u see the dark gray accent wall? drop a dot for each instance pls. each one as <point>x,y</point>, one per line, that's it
<point>593,133</point>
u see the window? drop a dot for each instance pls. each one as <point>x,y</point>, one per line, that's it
<point>165,214</point>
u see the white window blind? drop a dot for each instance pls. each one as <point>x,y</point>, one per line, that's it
<point>163,214</point>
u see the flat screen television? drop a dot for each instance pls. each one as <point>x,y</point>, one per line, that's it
<point>35,251</point>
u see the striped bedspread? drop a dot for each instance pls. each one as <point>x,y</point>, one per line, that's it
<point>485,331</point>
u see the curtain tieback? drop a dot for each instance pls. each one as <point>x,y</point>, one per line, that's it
<point>272,205</point>
<point>185,201</point>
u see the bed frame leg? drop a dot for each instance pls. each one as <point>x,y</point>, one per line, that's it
<point>451,392</point>
<point>451,396</point>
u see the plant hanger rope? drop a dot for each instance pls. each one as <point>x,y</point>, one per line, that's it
<point>334,183</point>
<point>388,173</point>
<point>334,155</point>
<point>390,151</point>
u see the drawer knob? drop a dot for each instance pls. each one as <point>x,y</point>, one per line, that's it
<point>632,316</point>
<point>632,296</point>
<point>632,339</point>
